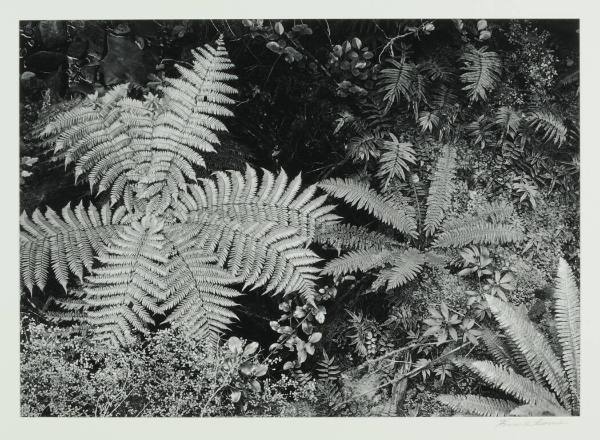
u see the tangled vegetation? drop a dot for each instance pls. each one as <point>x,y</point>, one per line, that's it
<point>299,218</point>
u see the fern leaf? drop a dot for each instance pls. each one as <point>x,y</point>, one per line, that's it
<point>497,348</point>
<point>362,196</point>
<point>397,82</point>
<point>480,130</point>
<point>405,267</point>
<point>428,121</point>
<point>550,124</point>
<point>244,198</point>
<point>493,224</point>
<point>478,405</point>
<point>435,71</point>
<point>365,146</point>
<point>342,236</point>
<point>440,190</point>
<point>481,72</point>
<point>443,98</point>
<point>508,120</point>
<point>479,233</point>
<point>149,146</point>
<point>355,261</point>
<point>327,368</point>
<point>511,383</point>
<point>66,244</point>
<point>530,342</point>
<point>132,278</point>
<point>395,159</point>
<point>567,325</point>
<point>200,298</point>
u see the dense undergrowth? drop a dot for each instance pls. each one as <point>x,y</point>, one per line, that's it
<point>453,167</point>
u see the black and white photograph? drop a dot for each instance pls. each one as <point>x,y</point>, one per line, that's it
<point>299,217</point>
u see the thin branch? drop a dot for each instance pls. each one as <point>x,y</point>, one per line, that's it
<point>407,375</point>
<point>394,352</point>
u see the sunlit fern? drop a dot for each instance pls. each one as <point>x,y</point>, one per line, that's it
<point>398,260</point>
<point>545,382</point>
<point>172,249</point>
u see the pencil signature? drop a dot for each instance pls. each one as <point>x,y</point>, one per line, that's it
<point>531,422</point>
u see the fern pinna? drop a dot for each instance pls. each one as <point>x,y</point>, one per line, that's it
<point>169,247</point>
<point>401,256</point>
<point>537,380</point>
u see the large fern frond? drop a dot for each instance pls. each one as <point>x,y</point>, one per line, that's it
<point>125,292</point>
<point>566,300</point>
<point>395,160</point>
<point>150,147</point>
<point>66,244</point>
<point>245,198</point>
<point>440,190</point>
<point>481,72</point>
<point>512,383</point>
<point>493,224</point>
<point>362,196</point>
<point>532,344</point>
<point>200,298</point>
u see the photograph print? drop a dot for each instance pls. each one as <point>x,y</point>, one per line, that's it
<point>299,218</point>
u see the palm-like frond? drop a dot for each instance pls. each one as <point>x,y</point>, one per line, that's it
<point>365,146</point>
<point>507,120</point>
<point>480,130</point>
<point>397,82</point>
<point>443,98</point>
<point>512,383</point>
<point>493,224</point>
<point>532,344</point>
<point>566,299</point>
<point>347,237</point>
<point>355,261</point>
<point>551,126</point>
<point>435,71</point>
<point>550,389</point>
<point>481,72</point>
<point>440,190</point>
<point>362,196</point>
<point>404,267</point>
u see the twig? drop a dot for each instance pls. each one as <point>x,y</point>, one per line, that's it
<point>271,71</point>
<point>391,41</point>
<point>409,374</point>
<point>392,353</point>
